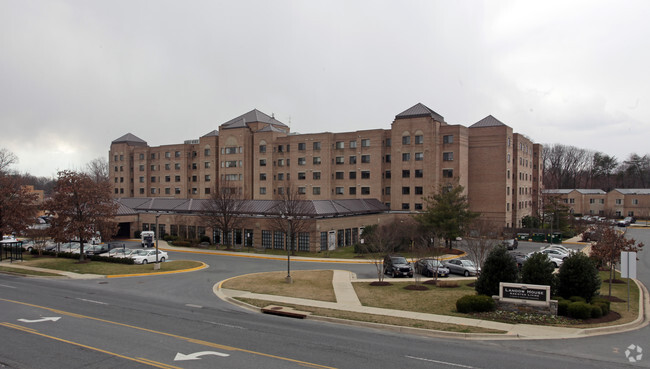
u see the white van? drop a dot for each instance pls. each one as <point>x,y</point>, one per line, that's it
<point>147,238</point>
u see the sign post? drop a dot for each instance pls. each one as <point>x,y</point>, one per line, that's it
<point>628,270</point>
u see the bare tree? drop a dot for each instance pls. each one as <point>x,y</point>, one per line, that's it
<point>292,215</point>
<point>379,240</point>
<point>222,210</point>
<point>7,158</point>
<point>17,205</point>
<point>80,207</point>
<point>481,240</point>
<point>97,169</point>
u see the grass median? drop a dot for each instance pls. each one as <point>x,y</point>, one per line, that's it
<point>103,268</point>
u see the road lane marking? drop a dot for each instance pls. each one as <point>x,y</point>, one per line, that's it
<point>92,301</point>
<point>187,339</point>
<point>139,360</point>
<point>441,362</point>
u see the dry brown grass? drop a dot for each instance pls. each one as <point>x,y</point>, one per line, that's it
<point>435,300</point>
<point>381,319</point>
<point>313,285</point>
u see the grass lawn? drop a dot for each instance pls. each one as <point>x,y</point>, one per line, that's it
<point>98,267</point>
<point>313,285</point>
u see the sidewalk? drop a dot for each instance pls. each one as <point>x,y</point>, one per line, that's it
<point>347,300</point>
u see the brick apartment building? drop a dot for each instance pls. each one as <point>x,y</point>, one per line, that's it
<point>417,156</point>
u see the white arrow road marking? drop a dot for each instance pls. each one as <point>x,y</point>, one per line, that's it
<point>53,318</point>
<point>196,355</point>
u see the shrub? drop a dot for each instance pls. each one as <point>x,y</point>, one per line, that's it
<point>596,311</point>
<point>538,269</point>
<point>475,304</point>
<point>579,310</point>
<point>578,276</point>
<point>499,266</point>
<point>563,307</point>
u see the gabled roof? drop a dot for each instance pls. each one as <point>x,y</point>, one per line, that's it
<point>488,121</point>
<point>419,110</point>
<point>315,208</point>
<point>211,133</point>
<point>633,191</point>
<point>130,139</point>
<point>252,116</point>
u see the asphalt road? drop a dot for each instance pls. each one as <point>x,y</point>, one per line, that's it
<point>148,321</point>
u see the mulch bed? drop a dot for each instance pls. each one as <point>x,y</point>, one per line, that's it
<point>416,287</point>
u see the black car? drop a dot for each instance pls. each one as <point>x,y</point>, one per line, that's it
<point>397,266</point>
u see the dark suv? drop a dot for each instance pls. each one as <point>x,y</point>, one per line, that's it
<point>397,266</point>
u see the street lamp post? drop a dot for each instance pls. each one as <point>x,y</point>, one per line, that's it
<point>156,266</point>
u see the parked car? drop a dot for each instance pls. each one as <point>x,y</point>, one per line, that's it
<point>118,253</point>
<point>555,260</point>
<point>510,244</point>
<point>429,267</point>
<point>462,266</point>
<point>397,266</point>
<point>147,256</point>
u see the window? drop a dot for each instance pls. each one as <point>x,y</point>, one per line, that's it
<point>302,146</point>
<point>447,156</point>
<point>301,175</point>
<point>353,159</point>
<point>406,156</point>
<point>353,144</point>
<point>316,160</point>
<point>365,174</point>
<point>365,142</point>
<point>447,139</point>
<point>316,175</point>
<point>352,190</point>
<point>262,190</point>
<point>262,149</point>
<point>405,206</point>
<point>419,156</point>
<point>340,160</point>
<point>418,190</point>
<point>316,145</point>
<point>315,190</point>
<point>365,190</point>
<point>447,173</point>
<point>406,140</point>
<point>419,139</point>
<point>406,190</point>
<point>418,173</point>
<point>340,144</point>
<point>365,159</point>
<point>353,175</point>
<point>302,161</point>
<point>339,175</point>
<point>406,173</point>
<point>339,190</point>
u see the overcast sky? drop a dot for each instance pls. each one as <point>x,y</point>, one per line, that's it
<point>75,75</point>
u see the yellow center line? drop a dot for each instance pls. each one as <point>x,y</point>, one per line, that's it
<point>139,360</point>
<point>187,339</point>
